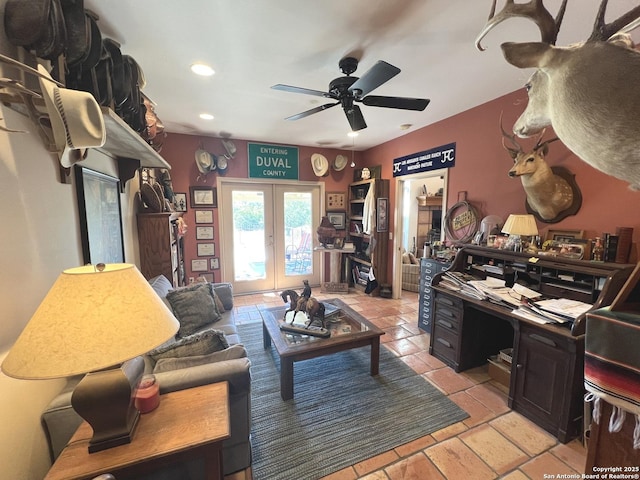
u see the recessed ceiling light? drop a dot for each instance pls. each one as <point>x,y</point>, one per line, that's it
<point>202,69</point>
<point>206,116</point>
<point>352,134</point>
<point>406,126</point>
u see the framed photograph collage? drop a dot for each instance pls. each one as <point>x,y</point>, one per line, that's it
<point>202,200</point>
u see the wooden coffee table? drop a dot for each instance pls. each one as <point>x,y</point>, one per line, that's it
<point>352,330</point>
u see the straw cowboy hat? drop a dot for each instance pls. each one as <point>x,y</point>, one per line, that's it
<point>339,163</point>
<point>205,161</point>
<point>320,164</point>
<point>76,119</point>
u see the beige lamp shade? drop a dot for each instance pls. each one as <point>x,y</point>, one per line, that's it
<point>88,321</point>
<point>523,225</point>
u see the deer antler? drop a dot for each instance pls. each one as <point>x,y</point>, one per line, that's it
<point>514,152</point>
<point>625,23</point>
<point>539,145</point>
<point>534,10</point>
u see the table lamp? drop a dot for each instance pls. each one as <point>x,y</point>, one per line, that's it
<point>519,226</point>
<point>95,319</point>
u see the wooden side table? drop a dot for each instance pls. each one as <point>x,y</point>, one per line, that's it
<point>188,424</point>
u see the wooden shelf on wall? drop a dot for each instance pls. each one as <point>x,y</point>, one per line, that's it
<point>128,148</point>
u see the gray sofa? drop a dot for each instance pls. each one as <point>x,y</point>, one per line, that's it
<point>180,371</point>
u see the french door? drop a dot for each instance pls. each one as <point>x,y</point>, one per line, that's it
<point>267,233</point>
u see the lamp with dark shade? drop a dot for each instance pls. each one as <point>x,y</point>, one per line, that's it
<point>520,226</point>
<point>96,319</point>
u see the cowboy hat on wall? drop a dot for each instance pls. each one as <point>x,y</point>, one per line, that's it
<point>205,162</point>
<point>320,164</point>
<point>75,117</point>
<point>340,162</point>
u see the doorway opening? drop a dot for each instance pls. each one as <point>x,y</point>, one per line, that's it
<point>417,223</point>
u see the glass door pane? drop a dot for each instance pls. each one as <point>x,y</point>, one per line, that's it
<point>248,235</point>
<point>298,255</point>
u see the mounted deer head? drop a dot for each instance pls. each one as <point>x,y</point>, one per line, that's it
<point>587,93</point>
<point>552,193</point>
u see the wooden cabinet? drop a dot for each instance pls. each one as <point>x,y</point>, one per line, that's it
<point>161,247</point>
<point>548,382</point>
<point>370,247</point>
<point>546,376</point>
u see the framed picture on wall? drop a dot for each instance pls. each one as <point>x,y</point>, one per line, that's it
<point>204,233</point>
<point>181,202</point>
<point>215,263</point>
<point>199,265</point>
<point>100,216</point>
<point>203,197</point>
<point>382,215</point>
<point>206,249</point>
<point>204,216</point>
<point>207,276</point>
<point>338,219</point>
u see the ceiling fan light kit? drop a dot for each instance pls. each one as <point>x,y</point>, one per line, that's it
<point>347,89</point>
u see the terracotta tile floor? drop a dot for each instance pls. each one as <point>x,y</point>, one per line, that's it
<point>492,443</point>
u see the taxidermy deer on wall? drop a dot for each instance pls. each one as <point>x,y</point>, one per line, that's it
<point>588,92</point>
<point>552,193</point>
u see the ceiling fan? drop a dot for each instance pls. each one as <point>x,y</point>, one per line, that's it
<point>347,90</point>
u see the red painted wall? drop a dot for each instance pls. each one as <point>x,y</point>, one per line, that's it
<point>480,170</point>
<point>179,151</point>
<point>482,165</point>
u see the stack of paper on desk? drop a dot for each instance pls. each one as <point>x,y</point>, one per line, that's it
<point>570,309</point>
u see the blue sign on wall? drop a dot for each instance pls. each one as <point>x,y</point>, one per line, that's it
<point>443,156</point>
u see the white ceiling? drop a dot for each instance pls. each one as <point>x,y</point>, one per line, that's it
<point>254,44</point>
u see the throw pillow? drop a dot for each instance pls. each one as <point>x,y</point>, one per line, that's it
<point>218,302</point>
<point>194,307</point>
<point>176,363</point>
<point>412,259</point>
<point>405,259</point>
<point>202,343</point>
<point>225,292</point>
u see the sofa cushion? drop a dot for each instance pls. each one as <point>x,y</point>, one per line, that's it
<point>219,304</point>
<point>161,285</point>
<point>194,307</point>
<point>224,291</point>
<point>202,343</point>
<point>175,363</point>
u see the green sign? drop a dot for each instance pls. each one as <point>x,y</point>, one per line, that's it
<point>273,161</point>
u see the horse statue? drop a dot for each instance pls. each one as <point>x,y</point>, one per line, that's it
<point>309,305</point>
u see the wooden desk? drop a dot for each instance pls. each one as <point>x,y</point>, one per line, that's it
<point>546,377</point>
<point>188,424</point>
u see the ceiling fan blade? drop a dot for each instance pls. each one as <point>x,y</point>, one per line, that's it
<point>403,103</point>
<point>312,111</point>
<point>356,120</point>
<point>306,91</point>
<point>380,73</point>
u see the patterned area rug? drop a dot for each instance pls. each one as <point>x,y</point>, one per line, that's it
<point>339,415</point>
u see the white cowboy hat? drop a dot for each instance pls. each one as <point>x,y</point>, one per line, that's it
<point>205,161</point>
<point>339,163</point>
<point>320,164</point>
<point>230,147</point>
<point>76,119</point>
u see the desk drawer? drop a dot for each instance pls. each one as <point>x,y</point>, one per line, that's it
<point>449,302</point>
<point>445,319</point>
<point>445,343</point>
<point>447,313</point>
